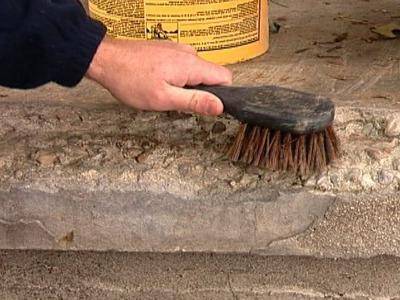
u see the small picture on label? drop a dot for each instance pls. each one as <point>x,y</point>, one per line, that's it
<point>162,31</point>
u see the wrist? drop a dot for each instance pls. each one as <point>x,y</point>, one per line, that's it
<point>100,60</point>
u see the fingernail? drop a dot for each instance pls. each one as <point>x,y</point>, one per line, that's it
<point>212,107</point>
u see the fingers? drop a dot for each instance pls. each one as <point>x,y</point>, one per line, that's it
<point>204,72</point>
<point>165,67</point>
<point>195,101</point>
<point>195,69</point>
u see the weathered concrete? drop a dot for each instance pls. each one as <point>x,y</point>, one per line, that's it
<point>79,171</point>
<point>144,221</point>
<point>85,275</point>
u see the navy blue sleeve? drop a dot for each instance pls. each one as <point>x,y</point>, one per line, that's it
<point>45,41</point>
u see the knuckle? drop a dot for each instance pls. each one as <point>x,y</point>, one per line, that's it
<point>193,60</point>
<point>194,102</point>
<point>189,59</point>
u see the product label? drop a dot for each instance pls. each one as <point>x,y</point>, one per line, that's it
<point>205,24</point>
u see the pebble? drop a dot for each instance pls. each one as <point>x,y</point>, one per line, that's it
<point>218,127</point>
<point>385,177</point>
<point>18,174</point>
<point>324,183</point>
<point>141,158</point>
<point>129,144</point>
<point>98,157</point>
<point>90,174</point>
<point>335,179</point>
<point>184,169</point>
<point>248,180</point>
<point>369,130</point>
<point>251,170</point>
<point>396,164</point>
<point>2,163</point>
<point>367,181</point>
<point>199,168</point>
<point>354,175</point>
<point>233,184</point>
<point>374,154</point>
<point>393,125</point>
<point>134,152</point>
<point>310,182</point>
<point>46,158</point>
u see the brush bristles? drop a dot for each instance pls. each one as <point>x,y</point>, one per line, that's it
<point>279,151</point>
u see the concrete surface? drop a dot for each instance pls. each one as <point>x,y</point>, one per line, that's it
<point>79,171</point>
<point>85,275</point>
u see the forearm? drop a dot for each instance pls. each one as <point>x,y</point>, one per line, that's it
<point>46,40</point>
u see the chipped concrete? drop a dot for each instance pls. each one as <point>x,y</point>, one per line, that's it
<point>74,160</point>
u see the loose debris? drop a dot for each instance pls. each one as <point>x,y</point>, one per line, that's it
<point>68,238</point>
<point>218,127</point>
<point>338,39</point>
<point>46,158</point>
<point>387,31</point>
<point>274,27</point>
<point>301,50</point>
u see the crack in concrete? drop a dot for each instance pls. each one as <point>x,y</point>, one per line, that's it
<point>235,297</point>
<point>284,238</point>
<point>28,222</point>
<point>293,235</point>
<point>255,221</point>
<point>279,239</point>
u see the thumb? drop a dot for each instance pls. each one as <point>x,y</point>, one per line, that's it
<point>191,100</point>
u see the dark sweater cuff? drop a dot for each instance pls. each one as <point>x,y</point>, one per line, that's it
<point>73,61</point>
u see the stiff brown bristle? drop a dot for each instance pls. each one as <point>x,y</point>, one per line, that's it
<point>279,151</point>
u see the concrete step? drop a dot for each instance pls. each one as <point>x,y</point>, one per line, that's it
<point>78,171</point>
<point>87,275</point>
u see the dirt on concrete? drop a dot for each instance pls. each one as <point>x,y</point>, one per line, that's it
<point>88,275</point>
<point>53,138</point>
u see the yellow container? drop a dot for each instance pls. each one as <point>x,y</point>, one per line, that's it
<point>222,31</point>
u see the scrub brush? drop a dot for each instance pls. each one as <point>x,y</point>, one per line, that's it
<point>281,129</point>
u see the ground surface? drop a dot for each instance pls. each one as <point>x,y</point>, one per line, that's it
<point>56,275</point>
<point>79,171</point>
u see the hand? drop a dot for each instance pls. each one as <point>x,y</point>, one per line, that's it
<point>149,75</point>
